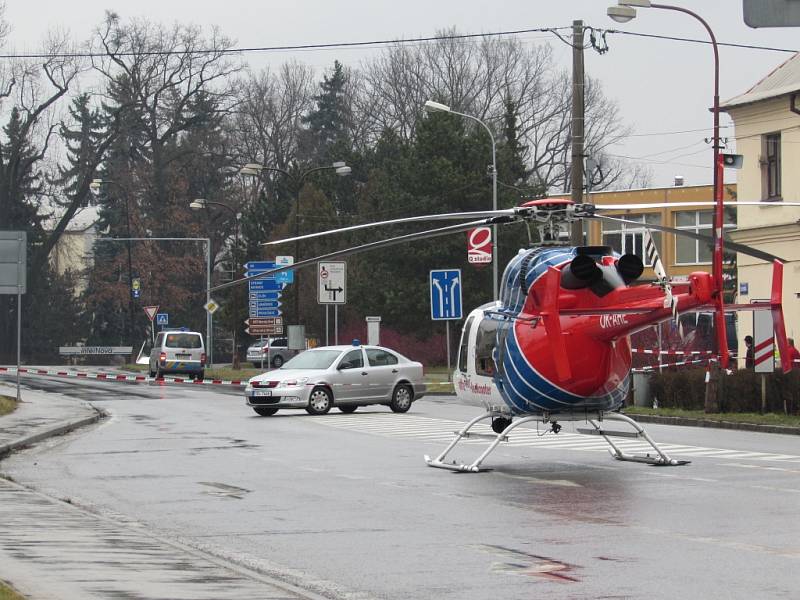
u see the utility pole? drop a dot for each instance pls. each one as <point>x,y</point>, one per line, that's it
<point>576,179</point>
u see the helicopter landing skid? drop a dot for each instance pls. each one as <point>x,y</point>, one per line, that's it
<point>660,458</point>
<point>464,433</point>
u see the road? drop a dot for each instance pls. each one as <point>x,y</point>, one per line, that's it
<point>344,505</point>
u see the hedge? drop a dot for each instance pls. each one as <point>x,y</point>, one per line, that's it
<point>741,391</point>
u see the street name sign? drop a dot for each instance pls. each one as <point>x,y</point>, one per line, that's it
<point>332,280</point>
<point>446,294</point>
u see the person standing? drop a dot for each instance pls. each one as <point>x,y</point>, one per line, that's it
<point>749,358</point>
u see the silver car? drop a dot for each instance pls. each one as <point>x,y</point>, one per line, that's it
<point>343,376</point>
<point>271,352</point>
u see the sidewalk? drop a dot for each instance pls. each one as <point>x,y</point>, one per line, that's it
<point>53,550</point>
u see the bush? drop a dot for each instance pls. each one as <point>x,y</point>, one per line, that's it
<point>741,391</point>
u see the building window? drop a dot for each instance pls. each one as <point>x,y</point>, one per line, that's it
<point>627,238</point>
<point>772,165</point>
<point>689,251</point>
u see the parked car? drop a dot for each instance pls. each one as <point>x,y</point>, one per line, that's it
<point>178,352</point>
<point>272,351</point>
<point>343,376</point>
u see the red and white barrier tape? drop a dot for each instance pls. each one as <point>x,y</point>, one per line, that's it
<point>665,365</point>
<point>122,377</point>
<point>673,352</point>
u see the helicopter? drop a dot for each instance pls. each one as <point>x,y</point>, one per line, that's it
<point>555,346</point>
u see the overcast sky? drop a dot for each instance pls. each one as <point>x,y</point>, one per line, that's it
<point>661,86</point>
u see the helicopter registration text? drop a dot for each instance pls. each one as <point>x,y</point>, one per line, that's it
<point>466,385</point>
<point>609,321</point>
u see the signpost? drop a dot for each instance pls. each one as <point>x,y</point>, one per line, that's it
<point>479,246</point>
<point>446,300</point>
<point>13,271</point>
<point>332,289</point>
<point>162,319</point>
<point>264,326</point>
<point>151,311</point>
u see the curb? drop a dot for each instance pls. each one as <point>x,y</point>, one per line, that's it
<point>58,429</point>
<point>685,421</point>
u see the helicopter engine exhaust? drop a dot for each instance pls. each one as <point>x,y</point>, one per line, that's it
<point>585,272</point>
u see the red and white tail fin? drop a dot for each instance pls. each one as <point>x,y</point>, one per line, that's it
<point>776,308</point>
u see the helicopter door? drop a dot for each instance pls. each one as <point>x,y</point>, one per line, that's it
<point>463,348</point>
<point>485,342</point>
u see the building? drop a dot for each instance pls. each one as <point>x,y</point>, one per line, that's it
<point>74,251</point>
<point>767,122</point>
<point>679,255</point>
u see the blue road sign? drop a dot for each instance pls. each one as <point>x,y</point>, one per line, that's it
<point>162,319</point>
<point>259,265</point>
<point>264,312</point>
<point>254,273</point>
<point>284,277</point>
<point>264,285</point>
<point>265,295</point>
<point>446,294</point>
<point>265,303</point>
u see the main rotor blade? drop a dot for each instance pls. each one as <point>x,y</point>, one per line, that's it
<point>681,204</point>
<point>729,244</point>
<point>400,221</point>
<point>420,235</point>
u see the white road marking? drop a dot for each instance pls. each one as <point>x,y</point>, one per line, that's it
<point>431,429</point>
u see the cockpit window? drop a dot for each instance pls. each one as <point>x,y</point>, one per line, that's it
<point>484,347</point>
<point>462,349</point>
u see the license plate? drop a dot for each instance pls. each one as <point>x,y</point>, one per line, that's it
<point>262,392</point>
<point>184,356</point>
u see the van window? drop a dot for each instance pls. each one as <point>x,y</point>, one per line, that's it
<point>183,340</point>
<point>462,349</point>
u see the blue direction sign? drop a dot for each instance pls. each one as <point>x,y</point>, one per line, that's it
<point>259,265</point>
<point>255,273</point>
<point>162,319</point>
<point>446,294</point>
<point>284,277</point>
<point>265,303</point>
<point>264,285</point>
<point>264,312</point>
<point>265,295</point>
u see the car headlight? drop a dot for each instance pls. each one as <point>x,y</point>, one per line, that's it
<point>295,382</point>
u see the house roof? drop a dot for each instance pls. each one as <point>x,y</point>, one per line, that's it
<point>784,79</point>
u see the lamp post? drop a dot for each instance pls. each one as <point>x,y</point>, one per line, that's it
<point>201,204</point>
<point>432,107</point>
<point>254,169</point>
<point>624,12</point>
<point>96,187</point>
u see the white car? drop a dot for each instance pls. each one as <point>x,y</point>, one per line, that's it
<point>343,376</point>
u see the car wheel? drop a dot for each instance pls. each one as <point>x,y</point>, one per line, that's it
<point>277,362</point>
<point>401,398</point>
<point>320,401</point>
<point>348,408</point>
<point>265,412</point>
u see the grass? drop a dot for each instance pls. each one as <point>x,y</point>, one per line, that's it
<point>7,405</point>
<point>755,418</point>
<point>8,593</point>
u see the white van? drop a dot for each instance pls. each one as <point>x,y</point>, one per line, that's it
<point>178,352</point>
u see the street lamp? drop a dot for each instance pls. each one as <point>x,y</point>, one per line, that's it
<point>202,204</point>
<point>254,169</point>
<point>96,186</point>
<point>432,107</point>
<point>624,12</point>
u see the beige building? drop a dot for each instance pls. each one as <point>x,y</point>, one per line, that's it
<point>767,122</point>
<point>74,251</point>
<point>680,255</point>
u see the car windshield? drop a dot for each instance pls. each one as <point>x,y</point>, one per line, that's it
<point>183,340</point>
<point>312,359</point>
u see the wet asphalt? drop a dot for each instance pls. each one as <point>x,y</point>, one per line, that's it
<point>342,505</point>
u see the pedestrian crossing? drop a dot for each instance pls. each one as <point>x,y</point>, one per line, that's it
<point>441,431</point>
